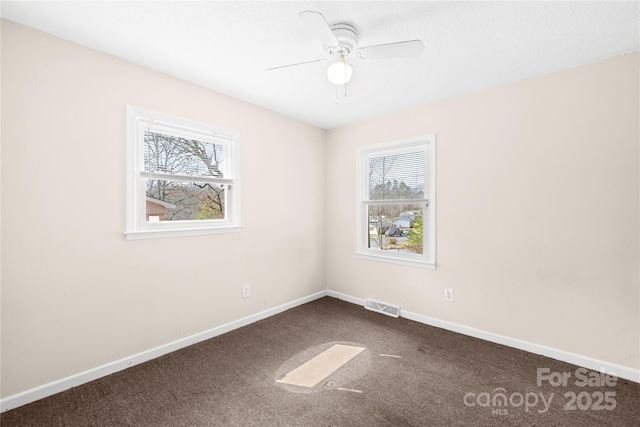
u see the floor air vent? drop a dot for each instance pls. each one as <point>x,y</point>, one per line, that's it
<point>380,307</point>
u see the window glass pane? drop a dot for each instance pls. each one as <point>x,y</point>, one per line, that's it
<point>184,200</point>
<point>395,227</point>
<point>397,176</point>
<point>182,156</point>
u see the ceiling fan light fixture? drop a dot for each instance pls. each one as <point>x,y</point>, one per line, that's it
<point>339,72</point>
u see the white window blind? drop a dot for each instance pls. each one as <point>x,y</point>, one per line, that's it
<point>398,176</point>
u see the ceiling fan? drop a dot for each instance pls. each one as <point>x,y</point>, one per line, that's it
<point>341,42</point>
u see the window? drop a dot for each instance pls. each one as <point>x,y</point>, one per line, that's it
<point>396,202</point>
<point>182,177</point>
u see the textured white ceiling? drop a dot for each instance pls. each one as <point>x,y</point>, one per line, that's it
<point>227,46</point>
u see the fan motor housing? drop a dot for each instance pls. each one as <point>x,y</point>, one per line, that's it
<point>347,36</point>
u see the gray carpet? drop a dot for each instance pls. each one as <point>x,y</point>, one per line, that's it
<point>409,375</point>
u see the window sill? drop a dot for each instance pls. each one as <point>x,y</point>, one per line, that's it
<point>182,232</point>
<point>394,260</point>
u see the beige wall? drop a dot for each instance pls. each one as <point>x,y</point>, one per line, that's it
<point>537,222</point>
<point>75,293</point>
<point>538,217</point>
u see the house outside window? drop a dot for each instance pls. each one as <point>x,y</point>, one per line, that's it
<point>182,177</point>
<point>396,202</point>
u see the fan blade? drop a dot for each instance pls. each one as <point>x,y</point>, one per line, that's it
<point>319,26</point>
<point>406,49</point>
<point>298,63</point>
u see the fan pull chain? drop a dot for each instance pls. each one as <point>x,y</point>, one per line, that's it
<point>345,76</point>
<point>345,93</point>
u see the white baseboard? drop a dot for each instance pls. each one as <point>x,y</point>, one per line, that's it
<point>63,384</point>
<point>554,353</point>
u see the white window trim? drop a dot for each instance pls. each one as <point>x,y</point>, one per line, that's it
<point>428,258</point>
<point>136,225</point>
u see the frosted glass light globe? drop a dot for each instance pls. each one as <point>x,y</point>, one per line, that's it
<point>339,72</point>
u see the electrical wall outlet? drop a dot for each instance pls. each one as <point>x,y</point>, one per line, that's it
<point>246,291</point>
<point>449,295</point>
